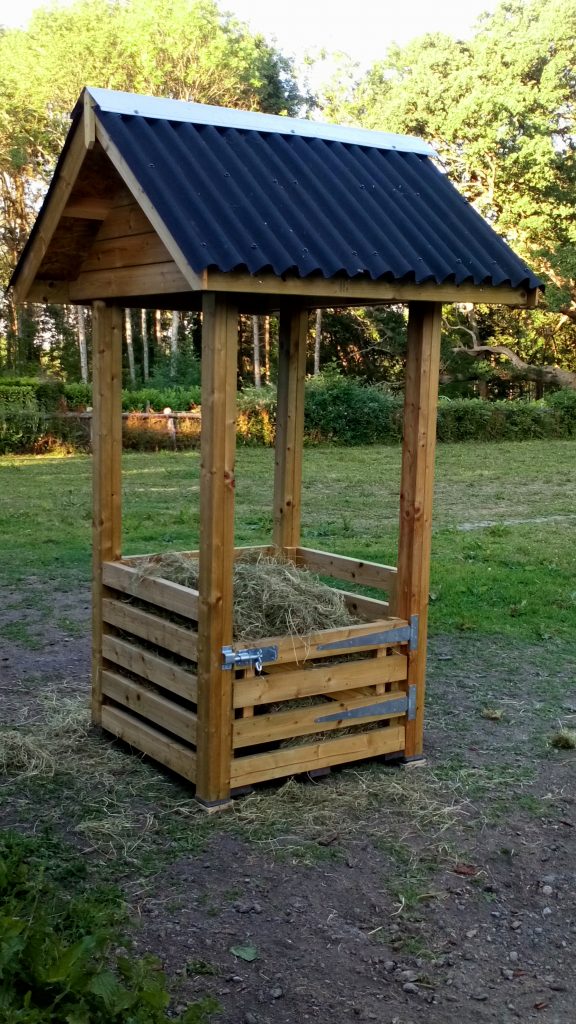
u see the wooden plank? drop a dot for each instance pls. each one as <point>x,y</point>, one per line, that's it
<point>128,219</point>
<point>130,251</point>
<point>142,701</point>
<point>170,596</point>
<point>286,725</point>
<point>247,771</point>
<point>301,649</point>
<point>368,574</point>
<point>367,608</point>
<point>88,118</point>
<point>194,280</point>
<point>106,471</point>
<point>362,291</point>
<point>88,208</point>
<point>218,443</point>
<point>152,628</point>
<point>293,336</point>
<point>51,213</point>
<point>318,680</point>
<point>416,492</point>
<point>150,666</point>
<point>240,552</point>
<point>155,744</point>
<point>153,279</point>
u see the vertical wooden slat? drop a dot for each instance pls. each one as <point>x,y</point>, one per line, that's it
<point>218,445</point>
<point>293,331</point>
<point>106,469</point>
<point>416,493</point>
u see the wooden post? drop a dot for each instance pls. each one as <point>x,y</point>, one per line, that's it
<point>416,494</point>
<point>293,336</point>
<point>106,469</point>
<point>218,446</point>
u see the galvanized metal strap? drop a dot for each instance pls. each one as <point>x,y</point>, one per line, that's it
<point>395,635</point>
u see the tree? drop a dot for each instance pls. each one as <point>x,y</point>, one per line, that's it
<point>187,49</point>
<point>500,111</point>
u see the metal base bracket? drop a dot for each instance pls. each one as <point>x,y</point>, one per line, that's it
<point>417,761</point>
<point>214,806</point>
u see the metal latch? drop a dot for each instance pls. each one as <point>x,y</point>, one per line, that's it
<point>395,635</point>
<point>255,657</point>
<point>404,704</point>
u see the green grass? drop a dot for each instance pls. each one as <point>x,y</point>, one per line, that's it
<point>516,580</point>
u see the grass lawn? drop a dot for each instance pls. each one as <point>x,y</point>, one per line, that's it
<point>515,577</point>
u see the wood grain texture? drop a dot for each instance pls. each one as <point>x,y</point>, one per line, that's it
<point>416,493</point>
<point>293,335</point>
<point>363,291</point>
<point>152,628</point>
<point>319,679</point>
<point>296,722</point>
<point>294,760</point>
<point>147,703</point>
<point>164,594</point>
<point>171,753</point>
<point>217,482</point>
<point>106,471</point>
<point>152,667</point>
<point>293,649</point>
<point>367,574</point>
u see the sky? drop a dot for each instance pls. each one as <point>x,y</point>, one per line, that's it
<point>363,29</point>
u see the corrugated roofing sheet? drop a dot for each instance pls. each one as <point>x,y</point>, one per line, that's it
<point>241,199</point>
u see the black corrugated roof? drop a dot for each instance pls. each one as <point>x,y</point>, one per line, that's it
<point>241,199</point>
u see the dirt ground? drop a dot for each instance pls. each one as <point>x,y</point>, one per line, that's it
<point>398,924</point>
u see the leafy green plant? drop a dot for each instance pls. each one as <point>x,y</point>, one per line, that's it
<point>57,959</point>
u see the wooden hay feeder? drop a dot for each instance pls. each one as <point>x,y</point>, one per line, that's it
<point>164,204</point>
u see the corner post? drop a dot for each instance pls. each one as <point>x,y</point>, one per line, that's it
<point>293,335</point>
<point>106,469</point>
<point>416,494</point>
<point>218,450</point>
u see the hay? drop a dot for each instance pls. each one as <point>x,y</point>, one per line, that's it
<point>272,596</point>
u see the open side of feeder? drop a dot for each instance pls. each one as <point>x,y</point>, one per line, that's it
<point>164,204</point>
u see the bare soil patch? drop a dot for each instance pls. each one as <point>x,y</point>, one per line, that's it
<point>442,895</point>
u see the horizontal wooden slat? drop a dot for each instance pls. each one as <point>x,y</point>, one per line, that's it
<point>128,219</point>
<point>302,649</point>
<point>127,251</point>
<point>315,681</point>
<point>362,291</point>
<point>155,744</point>
<point>153,279</point>
<point>241,552</point>
<point>142,701</point>
<point>368,574</point>
<point>170,596</point>
<point>150,666</point>
<point>367,608</point>
<point>152,628</point>
<point>246,771</point>
<point>285,725</point>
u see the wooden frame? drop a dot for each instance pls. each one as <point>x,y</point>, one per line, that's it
<point>167,677</point>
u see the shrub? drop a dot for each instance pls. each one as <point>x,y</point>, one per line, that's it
<point>58,962</point>
<point>20,422</point>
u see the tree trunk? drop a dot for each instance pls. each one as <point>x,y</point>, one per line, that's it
<point>174,342</point>
<point>256,351</point>
<point>145,353</point>
<point>158,328</point>
<point>130,345</point>
<point>80,314</point>
<point>317,342</point>
<point>267,349</point>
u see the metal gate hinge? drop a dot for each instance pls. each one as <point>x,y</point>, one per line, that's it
<point>394,635</point>
<point>254,657</point>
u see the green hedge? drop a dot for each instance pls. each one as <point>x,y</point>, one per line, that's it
<point>339,410</point>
